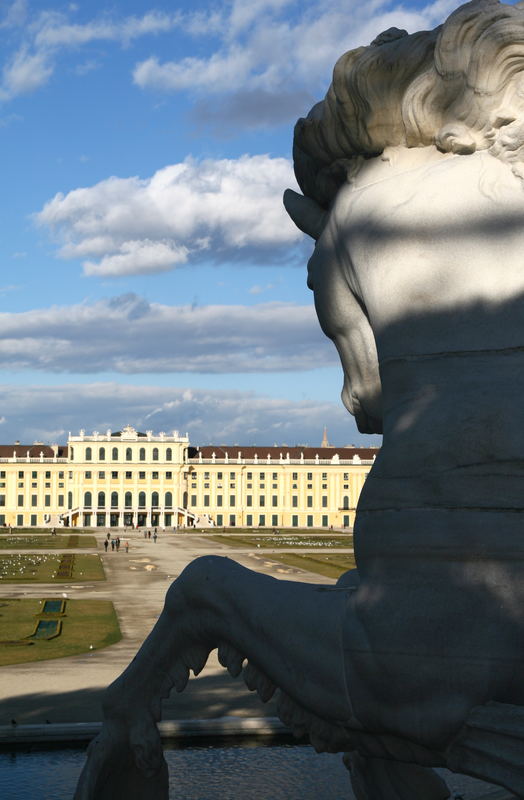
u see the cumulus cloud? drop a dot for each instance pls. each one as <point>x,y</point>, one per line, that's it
<point>214,209</point>
<point>267,49</point>
<point>47,413</point>
<point>126,334</point>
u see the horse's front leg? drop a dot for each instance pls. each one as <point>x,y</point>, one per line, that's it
<point>290,633</point>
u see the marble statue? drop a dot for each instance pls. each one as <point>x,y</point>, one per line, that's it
<point>412,173</point>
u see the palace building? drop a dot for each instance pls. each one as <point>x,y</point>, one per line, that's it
<point>129,478</point>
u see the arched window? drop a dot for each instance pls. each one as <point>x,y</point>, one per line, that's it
<point>142,454</point>
<point>102,454</point>
<point>89,454</point>
<point>155,453</point>
<point>154,499</point>
<point>129,454</point>
<point>169,454</point>
<point>168,502</point>
<point>184,500</point>
<point>101,499</point>
<point>87,499</point>
<point>114,499</point>
<point>345,503</point>
<point>114,453</point>
<point>70,499</point>
<point>128,501</point>
<point>142,500</point>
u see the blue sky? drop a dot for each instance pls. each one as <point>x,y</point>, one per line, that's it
<point>150,274</point>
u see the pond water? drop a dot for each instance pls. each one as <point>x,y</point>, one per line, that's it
<point>209,772</point>
<point>279,772</point>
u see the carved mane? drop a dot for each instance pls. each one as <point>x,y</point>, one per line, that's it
<point>428,88</point>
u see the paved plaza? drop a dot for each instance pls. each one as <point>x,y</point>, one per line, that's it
<point>70,689</point>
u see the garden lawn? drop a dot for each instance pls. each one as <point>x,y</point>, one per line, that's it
<point>332,565</point>
<point>43,568</point>
<point>84,623</point>
<point>287,540</point>
<point>46,542</point>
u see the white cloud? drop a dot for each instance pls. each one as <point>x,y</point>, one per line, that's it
<point>126,334</point>
<point>25,72</point>
<point>47,412</point>
<point>212,209</point>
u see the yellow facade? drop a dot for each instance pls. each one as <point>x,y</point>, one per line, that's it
<point>129,478</point>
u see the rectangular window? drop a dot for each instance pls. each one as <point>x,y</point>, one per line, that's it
<point>220,519</point>
<point>249,476</point>
<point>2,519</point>
<point>60,500</point>
<point>219,500</point>
<point>206,500</point>
<point>33,520</point>
<point>295,476</point>
<point>324,476</point>
<point>262,486</point>
<point>141,476</point>
<point>232,476</point>
<point>206,485</point>
<point>262,476</point>
<point>324,501</point>
<point>70,475</point>
<point>114,476</point>
<point>20,520</point>
<point>34,475</point>
<point>232,520</point>
<point>20,500</point>
<point>129,476</point>
<point>310,501</point>
<point>193,499</point>
<point>249,519</point>
<point>21,474</point>
<point>101,474</point>
<point>274,501</point>
<point>249,500</point>
<point>2,474</point>
<point>310,486</point>
<point>34,485</point>
<point>262,501</point>
<point>169,476</point>
<point>154,476</point>
<point>294,520</point>
<point>232,500</point>
<point>345,521</point>
<point>34,500</point>
<point>274,519</point>
<point>261,519</point>
<point>346,476</point>
<point>310,520</point>
<point>310,476</point>
<point>47,500</point>
<point>294,501</point>
<point>275,476</point>
<point>48,476</point>
<point>2,499</point>
<point>219,476</point>
<point>47,485</point>
<point>206,476</point>
<point>88,474</point>
<point>60,476</point>
<point>325,521</point>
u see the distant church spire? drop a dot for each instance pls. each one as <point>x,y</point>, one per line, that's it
<point>325,442</point>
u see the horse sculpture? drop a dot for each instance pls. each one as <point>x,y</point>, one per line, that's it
<point>412,173</point>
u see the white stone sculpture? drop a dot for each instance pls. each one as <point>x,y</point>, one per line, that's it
<point>412,172</point>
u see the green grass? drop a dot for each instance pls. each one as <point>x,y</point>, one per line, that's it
<point>332,565</point>
<point>46,541</point>
<point>84,623</point>
<point>43,568</point>
<point>14,531</point>
<point>287,540</point>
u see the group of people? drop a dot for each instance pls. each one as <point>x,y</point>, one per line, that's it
<point>115,543</point>
<point>147,535</point>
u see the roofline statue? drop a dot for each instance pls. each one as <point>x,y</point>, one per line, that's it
<point>412,174</point>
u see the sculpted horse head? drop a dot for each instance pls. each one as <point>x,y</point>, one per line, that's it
<point>411,173</point>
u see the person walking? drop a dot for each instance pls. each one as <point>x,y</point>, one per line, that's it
<point>106,544</point>
<point>155,536</point>
<point>127,547</point>
<point>112,544</point>
<point>118,543</point>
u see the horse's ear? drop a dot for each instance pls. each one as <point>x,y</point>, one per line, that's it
<point>305,213</point>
